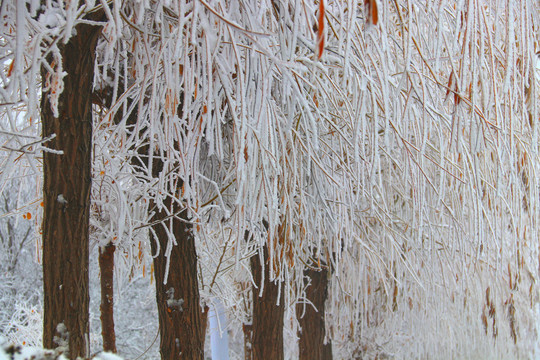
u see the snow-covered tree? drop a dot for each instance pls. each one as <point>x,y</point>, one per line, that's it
<point>255,150</point>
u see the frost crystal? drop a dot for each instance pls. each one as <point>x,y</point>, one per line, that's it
<point>62,339</point>
<point>61,199</point>
<point>173,303</point>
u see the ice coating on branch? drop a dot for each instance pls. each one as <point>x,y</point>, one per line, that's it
<point>52,18</point>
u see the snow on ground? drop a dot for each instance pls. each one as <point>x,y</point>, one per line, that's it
<point>12,352</point>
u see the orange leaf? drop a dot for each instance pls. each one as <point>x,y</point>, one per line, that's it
<point>167,99</point>
<point>373,11</point>
<point>10,70</point>
<point>320,29</point>
<point>28,216</point>
<point>450,83</point>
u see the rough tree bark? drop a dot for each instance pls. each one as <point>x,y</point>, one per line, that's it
<point>106,267</point>
<point>311,320</point>
<point>267,327</point>
<point>180,316</point>
<point>66,197</point>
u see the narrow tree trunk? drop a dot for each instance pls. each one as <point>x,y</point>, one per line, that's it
<point>248,339</point>
<point>204,322</point>
<point>66,197</point>
<point>311,320</point>
<point>106,267</point>
<point>180,315</point>
<point>267,329</point>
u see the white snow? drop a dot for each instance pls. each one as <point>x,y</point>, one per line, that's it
<point>107,356</point>
<point>218,328</point>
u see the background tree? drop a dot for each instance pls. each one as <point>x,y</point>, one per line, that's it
<point>155,163</point>
<point>312,343</point>
<point>106,266</point>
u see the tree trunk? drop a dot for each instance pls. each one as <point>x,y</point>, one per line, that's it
<point>248,339</point>
<point>180,315</point>
<point>66,197</point>
<point>267,328</point>
<point>311,320</point>
<point>106,267</point>
<point>204,323</point>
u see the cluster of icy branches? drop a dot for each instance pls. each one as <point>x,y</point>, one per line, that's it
<point>403,154</point>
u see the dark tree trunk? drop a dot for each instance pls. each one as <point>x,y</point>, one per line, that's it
<point>267,328</point>
<point>204,322</point>
<point>311,320</point>
<point>66,197</point>
<point>247,329</point>
<point>179,310</point>
<point>106,267</point>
